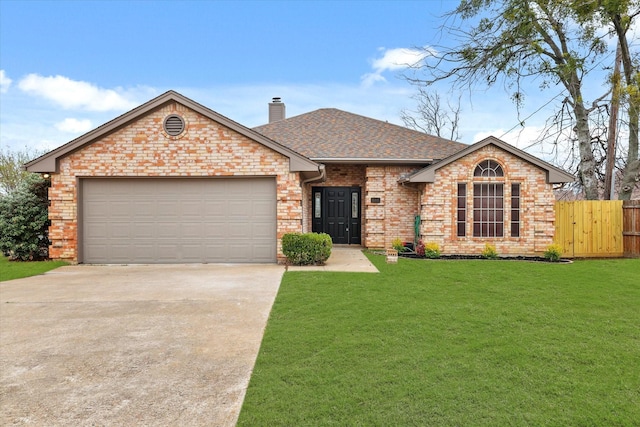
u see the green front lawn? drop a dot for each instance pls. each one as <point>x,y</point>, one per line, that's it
<point>452,343</point>
<point>10,270</point>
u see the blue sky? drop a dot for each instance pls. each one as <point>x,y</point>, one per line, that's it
<point>70,66</point>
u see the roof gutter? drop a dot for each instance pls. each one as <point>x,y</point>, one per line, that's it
<point>371,160</point>
<point>320,177</point>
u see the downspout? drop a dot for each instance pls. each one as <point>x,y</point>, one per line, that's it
<point>321,177</point>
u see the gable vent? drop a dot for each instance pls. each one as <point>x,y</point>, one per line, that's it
<point>174,125</point>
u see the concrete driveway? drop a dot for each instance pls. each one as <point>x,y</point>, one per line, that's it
<point>132,345</point>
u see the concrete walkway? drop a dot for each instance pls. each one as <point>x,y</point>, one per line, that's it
<point>345,258</point>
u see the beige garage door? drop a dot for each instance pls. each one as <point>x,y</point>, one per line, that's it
<point>178,220</point>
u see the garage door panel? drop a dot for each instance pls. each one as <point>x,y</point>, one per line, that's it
<point>215,208</point>
<point>215,231</point>
<point>212,250</point>
<point>119,208</point>
<point>170,208</point>
<point>145,253</point>
<point>138,207</point>
<point>191,208</point>
<point>96,251</point>
<point>259,211</point>
<point>192,230</point>
<point>237,252</point>
<point>261,252</point>
<point>262,232</point>
<point>139,230</point>
<point>178,220</point>
<point>166,252</point>
<point>192,251</point>
<point>238,231</point>
<point>168,230</point>
<point>99,206</point>
<point>99,231</point>
<point>239,208</point>
<point>121,230</point>
<point>119,253</point>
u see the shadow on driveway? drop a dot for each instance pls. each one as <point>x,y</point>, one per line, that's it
<point>132,345</point>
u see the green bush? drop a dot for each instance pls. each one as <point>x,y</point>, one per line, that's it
<point>398,245</point>
<point>24,220</point>
<point>489,251</point>
<point>432,250</point>
<point>307,248</point>
<point>553,252</point>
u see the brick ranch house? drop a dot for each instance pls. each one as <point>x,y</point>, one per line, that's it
<point>172,181</point>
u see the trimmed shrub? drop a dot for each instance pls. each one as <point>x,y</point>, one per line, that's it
<point>307,248</point>
<point>420,249</point>
<point>24,223</point>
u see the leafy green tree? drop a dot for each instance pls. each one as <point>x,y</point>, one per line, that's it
<point>511,41</point>
<point>12,172</point>
<point>24,220</point>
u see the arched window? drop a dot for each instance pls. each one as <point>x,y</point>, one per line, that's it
<point>489,203</point>
<point>488,169</point>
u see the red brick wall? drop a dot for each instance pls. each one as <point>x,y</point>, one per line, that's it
<point>381,222</point>
<point>394,216</point>
<point>336,176</point>
<point>536,211</point>
<point>206,148</point>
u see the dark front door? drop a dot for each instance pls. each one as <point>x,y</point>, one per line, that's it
<point>336,211</point>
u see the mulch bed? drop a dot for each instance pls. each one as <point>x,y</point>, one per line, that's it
<point>480,257</point>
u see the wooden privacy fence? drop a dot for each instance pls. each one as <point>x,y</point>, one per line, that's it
<point>590,228</point>
<point>631,230</point>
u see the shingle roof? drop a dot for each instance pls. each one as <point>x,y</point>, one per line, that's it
<point>332,134</point>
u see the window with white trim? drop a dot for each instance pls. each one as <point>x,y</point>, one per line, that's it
<point>495,208</point>
<point>488,201</point>
<point>488,169</point>
<point>461,211</point>
<point>488,210</point>
<point>515,210</point>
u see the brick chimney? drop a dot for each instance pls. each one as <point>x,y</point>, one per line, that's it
<point>276,110</point>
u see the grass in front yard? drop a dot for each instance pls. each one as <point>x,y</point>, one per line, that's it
<point>452,343</point>
<point>10,270</point>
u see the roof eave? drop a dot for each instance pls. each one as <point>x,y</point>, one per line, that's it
<point>371,160</point>
<point>554,175</point>
<point>49,161</point>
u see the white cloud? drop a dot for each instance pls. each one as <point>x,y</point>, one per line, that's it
<point>521,137</point>
<point>72,94</point>
<point>369,79</point>
<point>527,138</point>
<point>5,82</point>
<point>72,125</point>
<point>394,60</point>
<point>397,59</point>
